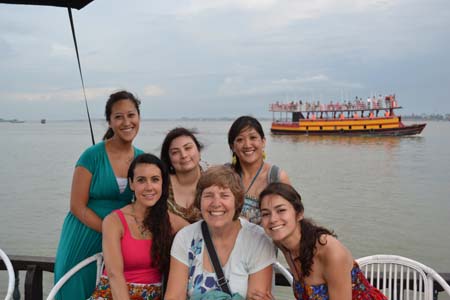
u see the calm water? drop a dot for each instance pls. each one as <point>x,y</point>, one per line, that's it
<point>381,195</point>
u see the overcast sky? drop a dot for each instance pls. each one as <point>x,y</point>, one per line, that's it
<point>213,58</point>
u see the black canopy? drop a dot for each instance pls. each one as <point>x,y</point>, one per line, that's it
<point>78,4</point>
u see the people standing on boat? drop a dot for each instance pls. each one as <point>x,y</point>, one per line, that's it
<point>322,267</point>
<point>388,101</point>
<point>244,252</point>
<point>181,152</point>
<point>247,143</point>
<point>137,238</point>
<point>99,186</point>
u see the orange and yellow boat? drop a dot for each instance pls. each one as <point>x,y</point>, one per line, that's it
<point>350,118</point>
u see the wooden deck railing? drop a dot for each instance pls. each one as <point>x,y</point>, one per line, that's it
<point>36,265</point>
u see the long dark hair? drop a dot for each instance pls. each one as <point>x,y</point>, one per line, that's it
<point>156,218</point>
<point>310,232</point>
<point>113,98</point>
<point>173,134</point>
<point>241,123</point>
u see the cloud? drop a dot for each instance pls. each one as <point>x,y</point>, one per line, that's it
<point>153,91</point>
<point>61,50</point>
<point>238,85</point>
<point>66,95</point>
<point>277,14</point>
<point>5,50</point>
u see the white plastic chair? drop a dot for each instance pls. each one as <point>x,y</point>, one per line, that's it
<point>279,268</point>
<point>98,258</point>
<point>401,278</point>
<point>11,277</point>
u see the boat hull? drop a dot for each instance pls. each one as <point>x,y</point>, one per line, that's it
<point>394,131</point>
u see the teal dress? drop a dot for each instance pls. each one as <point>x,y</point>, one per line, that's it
<point>78,241</point>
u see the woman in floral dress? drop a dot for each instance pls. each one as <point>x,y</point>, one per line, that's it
<point>323,268</point>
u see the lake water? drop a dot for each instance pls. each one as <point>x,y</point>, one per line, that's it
<point>380,194</point>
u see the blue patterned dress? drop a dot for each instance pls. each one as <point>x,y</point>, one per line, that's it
<point>361,289</point>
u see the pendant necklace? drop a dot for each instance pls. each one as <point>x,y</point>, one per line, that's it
<point>254,178</point>
<point>299,274</point>
<point>145,233</point>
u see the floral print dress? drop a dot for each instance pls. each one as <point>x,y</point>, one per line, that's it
<point>204,281</point>
<point>361,289</point>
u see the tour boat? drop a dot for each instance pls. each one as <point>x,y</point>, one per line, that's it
<point>375,117</point>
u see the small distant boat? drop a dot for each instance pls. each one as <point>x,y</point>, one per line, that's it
<point>43,121</point>
<point>16,121</point>
<point>351,118</point>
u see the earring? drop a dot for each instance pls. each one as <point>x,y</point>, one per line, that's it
<point>171,169</point>
<point>203,165</point>
<point>264,155</point>
<point>234,159</point>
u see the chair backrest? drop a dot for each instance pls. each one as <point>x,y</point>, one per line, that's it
<point>98,258</point>
<point>279,268</point>
<point>11,277</point>
<point>401,278</point>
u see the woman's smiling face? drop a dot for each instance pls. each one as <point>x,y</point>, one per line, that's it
<point>217,205</point>
<point>147,184</point>
<point>124,120</point>
<point>279,218</point>
<point>184,154</point>
<point>249,146</point>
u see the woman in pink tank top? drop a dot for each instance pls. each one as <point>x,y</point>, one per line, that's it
<point>137,238</point>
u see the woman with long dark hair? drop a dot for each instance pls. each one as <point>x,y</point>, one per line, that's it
<point>99,186</point>
<point>137,238</point>
<point>323,268</point>
<point>247,144</point>
<point>181,152</point>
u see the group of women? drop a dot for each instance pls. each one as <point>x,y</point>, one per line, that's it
<point>155,220</point>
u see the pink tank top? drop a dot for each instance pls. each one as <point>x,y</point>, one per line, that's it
<point>136,257</point>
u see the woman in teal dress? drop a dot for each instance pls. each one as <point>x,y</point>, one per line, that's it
<point>99,186</point>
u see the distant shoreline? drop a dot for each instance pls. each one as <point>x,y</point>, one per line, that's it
<point>412,117</point>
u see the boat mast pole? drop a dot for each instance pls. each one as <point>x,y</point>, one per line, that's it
<point>81,73</point>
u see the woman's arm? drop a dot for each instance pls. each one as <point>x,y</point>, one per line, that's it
<point>260,284</point>
<point>112,253</point>
<point>337,267</point>
<point>79,197</point>
<point>178,280</point>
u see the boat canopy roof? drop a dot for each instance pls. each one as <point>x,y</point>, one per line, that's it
<point>78,4</point>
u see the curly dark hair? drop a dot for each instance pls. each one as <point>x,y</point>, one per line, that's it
<point>156,218</point>
<point>310,231</point>
<point>171,135</point>
<point>116,97</point>
<point>242,123</point>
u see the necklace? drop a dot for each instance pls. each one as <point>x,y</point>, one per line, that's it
<point>145,233</point>
<point>254,178</point>
<point>299,275</point>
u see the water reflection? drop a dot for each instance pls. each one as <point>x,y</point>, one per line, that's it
<point>388,142</point>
